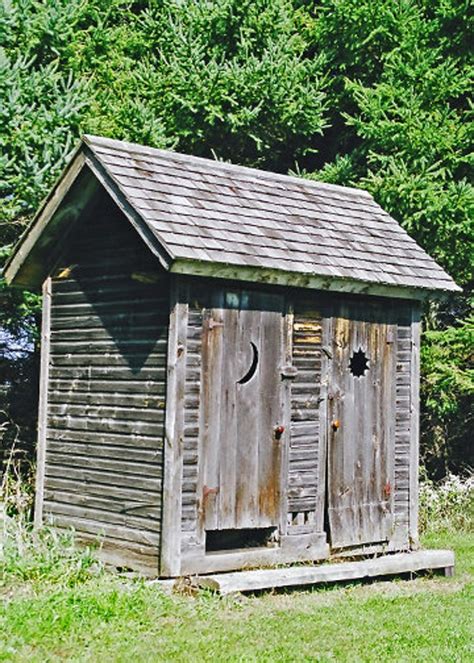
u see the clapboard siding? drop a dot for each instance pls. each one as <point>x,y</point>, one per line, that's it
<point>106,393</point>
<point>191,419</point>
<point>403,426</point>
<point>304,430</point>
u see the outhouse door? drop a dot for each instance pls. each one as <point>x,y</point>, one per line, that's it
<point>361,425</point>
<point>241,447</point>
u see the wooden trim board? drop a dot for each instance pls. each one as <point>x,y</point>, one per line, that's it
<point>414,425</point>
<point>301,548</point>
<point>43,402</point>
<point>297,576</point>
<point>170,563</point>
<point>270,276</point>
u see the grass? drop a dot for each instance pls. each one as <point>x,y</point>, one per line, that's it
<point>84,618</point>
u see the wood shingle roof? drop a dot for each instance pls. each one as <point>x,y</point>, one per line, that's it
<point>218,219</point>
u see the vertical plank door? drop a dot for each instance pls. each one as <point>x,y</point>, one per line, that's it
<point>241,387</point>
<point>361,428</point>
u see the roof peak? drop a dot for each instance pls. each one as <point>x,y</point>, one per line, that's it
<point>254,173</point>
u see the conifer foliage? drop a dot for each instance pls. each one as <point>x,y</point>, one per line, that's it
<point>371,94</point>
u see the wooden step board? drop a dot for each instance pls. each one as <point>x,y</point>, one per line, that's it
<point>297,576</point>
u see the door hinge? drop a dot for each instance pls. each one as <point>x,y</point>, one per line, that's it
<point>288,372</point>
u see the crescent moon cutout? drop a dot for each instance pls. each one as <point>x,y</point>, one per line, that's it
<point>253,366</point>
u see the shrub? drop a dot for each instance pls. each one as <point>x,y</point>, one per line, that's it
<point>447,505</point>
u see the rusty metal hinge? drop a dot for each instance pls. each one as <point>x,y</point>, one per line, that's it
<point>213,323</point>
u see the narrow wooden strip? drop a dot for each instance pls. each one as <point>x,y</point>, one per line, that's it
<point>119,494</point>
<point>86,476</point>
<point>245,581</point>
<point>170,561</point>
<point>128,440</point>
<point>43,403</point>
<point>415,424</point>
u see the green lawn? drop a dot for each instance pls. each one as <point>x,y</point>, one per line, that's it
<point>105,619</point>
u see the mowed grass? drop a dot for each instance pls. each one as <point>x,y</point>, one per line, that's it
<point>111,619</point>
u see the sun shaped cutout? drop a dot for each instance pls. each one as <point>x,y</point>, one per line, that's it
<point>359,363</point>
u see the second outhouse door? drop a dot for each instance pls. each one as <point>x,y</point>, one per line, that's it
<point>241,447</point>
<point>361,431</point>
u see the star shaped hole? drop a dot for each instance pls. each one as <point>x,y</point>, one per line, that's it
<point>359,363</point>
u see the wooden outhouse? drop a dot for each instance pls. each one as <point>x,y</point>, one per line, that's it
<point>229,371</point>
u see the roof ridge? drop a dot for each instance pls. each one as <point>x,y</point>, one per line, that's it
<point>255,173</point>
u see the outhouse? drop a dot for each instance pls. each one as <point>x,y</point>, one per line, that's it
<point>230,363</point>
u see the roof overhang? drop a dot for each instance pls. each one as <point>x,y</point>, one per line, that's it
<point>75,193</point>
<point>301,280</point>
<point>40,246</point>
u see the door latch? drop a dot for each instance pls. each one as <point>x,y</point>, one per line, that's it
<point>279,430</point>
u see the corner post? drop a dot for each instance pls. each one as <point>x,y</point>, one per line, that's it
<point>43,402</point>
<point>287,356</point>
<point>414,424</point>
<point>170,556</point>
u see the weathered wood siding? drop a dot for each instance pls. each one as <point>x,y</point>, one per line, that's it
<point>313,321</point>
<point>304,452</point>
<point>245,414</point>
<point>404,438</point>
<point>106,392</point>
<point>191,420</point>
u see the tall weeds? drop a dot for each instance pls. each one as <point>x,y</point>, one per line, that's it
<point>447,505</point>
<point>43,554</point>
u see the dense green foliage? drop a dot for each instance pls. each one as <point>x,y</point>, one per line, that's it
<point>373,94</point>
<point>447,389</point>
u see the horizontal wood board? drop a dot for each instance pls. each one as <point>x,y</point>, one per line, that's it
<point>106,392</point>
<point>304,452</point>
<point>300,576</point>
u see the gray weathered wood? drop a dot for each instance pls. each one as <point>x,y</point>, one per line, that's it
<point>219,220</point>
<point>282,278</point>
<point>361,434</point>
<point>104,456</point>
<point>414,423</point>
<point>286,354</point>
<point>25,268</point>
<point>309,547</point>
<point>324,421</point>
<point>240,456</point>
<point>305,408</point>
<point>210,414</point>
<point>174,435</point>
<point>250,428</point>
<point>296,576</point>
<point>43,402</point>
<point>228,441</point>
<point>121,554</point>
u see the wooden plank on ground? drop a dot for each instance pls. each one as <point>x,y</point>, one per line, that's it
<point>296,576</point>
